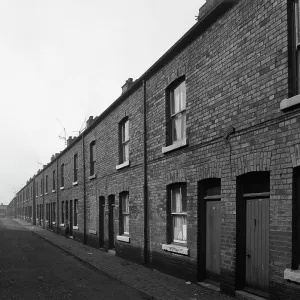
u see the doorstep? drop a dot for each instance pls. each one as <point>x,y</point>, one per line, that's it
<point>247,296</point>
<point>210,286</point>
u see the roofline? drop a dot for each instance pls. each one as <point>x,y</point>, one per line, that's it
<point>202,24</point>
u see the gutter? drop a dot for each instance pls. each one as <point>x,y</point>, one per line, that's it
<point>145,187</point>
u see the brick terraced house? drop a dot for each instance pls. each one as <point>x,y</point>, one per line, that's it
<point>195,168</point>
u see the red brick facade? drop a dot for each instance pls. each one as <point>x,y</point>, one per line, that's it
<point>235,64</point>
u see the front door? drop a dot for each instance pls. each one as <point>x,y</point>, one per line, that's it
<point>71,218</point>
<point>213,239</point>
<point>257,245</point>
<point>111,229</point>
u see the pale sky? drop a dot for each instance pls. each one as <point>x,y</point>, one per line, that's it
<point>68,59</point>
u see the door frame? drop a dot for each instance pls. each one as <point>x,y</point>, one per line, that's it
<point>241,213</point>
<point>101,220</point>
<point>71,217</point>
<point>201,227</point>
<point>111,222</point>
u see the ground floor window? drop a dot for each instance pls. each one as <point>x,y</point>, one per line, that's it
<point>177,211</point>
<point>62,212</point>
<point>124,213</point>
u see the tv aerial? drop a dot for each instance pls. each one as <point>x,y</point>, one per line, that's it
<point>64,137</point>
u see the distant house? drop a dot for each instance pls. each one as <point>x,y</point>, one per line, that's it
<point>3,210</point>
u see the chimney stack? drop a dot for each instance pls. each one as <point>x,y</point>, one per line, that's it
<point>69,141</point>
<point>127,85</point>
<point>52,157</point>
<point>90,121</point>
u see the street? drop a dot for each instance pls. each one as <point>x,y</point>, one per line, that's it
<point>31,268</point>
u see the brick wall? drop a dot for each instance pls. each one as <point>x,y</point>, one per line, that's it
<point>236,74</point>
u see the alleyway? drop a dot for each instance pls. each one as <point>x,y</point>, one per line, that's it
<point>50,273</point>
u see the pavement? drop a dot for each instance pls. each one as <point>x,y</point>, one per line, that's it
<point>157,285</point>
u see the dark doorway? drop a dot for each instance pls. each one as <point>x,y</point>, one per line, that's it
<point>71,218</point>
<point>253,206</point>
<point>111,222</point>
<point>101,220</point>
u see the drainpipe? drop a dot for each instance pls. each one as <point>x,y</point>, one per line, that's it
<point>43,191</point>
<point>145,188</point>
<point>57,199</point>
<point>84,192</point>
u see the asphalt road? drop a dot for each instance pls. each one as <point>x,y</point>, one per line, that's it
<point>31,268</point>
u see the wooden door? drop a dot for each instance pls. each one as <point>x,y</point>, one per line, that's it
<point>111,225</point>
<point>257,244</point>
<point>71,218</point>
<point>213,239</point>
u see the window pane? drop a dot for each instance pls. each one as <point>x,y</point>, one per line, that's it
<point>126,152</point>
<point>182,96</point>
<point>94,152</point>
<point>177,128</point>
<point>126,223</point>
<point>126,131</point>
<point>179,228</point>
<point>176,200</point>
<point>125,204</point>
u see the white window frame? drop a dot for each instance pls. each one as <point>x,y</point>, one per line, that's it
<point>175,213</point>
<point>124,141</point>
<point>125,212</point>
<point>177,111</point>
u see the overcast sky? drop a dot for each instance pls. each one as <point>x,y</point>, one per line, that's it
<point>67,60</point>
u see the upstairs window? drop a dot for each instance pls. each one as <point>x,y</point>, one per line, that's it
<point>177,112</point>
<point>124,141</point>
<point>62,175</point>
<point>92,158</point>
<point>75,168</point>
<point>37,188</point>
<point>53,180</point>
<point>46,184</point>
<point>124,213</point>
<point>297,35</point>
<point>177,211</point>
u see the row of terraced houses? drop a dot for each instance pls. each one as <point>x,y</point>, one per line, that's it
<point>195,168</point>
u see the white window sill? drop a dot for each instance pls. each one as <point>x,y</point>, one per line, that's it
<point>92,231</point>
<point>46,193</point>
<point>123,165</point>
<point>92,177</point>
<point>41,195</point>
<point>292,275</point>
<point>47,221</point>
<point>75,183</point>
<point>177,145</point>
<point>290,102</point>
<point>175,249</point>
<point>62,225</point>
<point>53,223</point>
<point>75,228</point>
<point>62,188</point>
<point>53,191</point>
<point>123,238</point>
<point>35,197</point>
